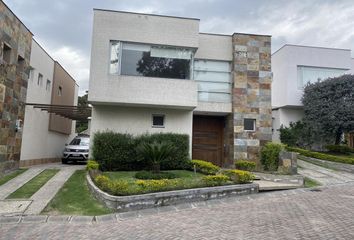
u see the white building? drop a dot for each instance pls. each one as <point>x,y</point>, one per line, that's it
<point>293,67</point>
<point>44,138</point>
<point>151,73</point>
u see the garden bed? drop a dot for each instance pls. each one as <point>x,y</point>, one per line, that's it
<point>150,200</point>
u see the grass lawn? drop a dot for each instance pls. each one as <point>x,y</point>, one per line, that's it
<point>12,175</point>
<point>32,186</point>
<point>74,198</point>
<point>310,183</point>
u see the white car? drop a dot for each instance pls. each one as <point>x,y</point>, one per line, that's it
<point>77,150</point>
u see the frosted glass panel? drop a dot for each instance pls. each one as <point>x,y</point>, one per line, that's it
<point>214,97</point>
<point>114,61</point>
<point>171,53</point>
<point>208,65</point>
<point>212,76</point>
<point>214,87</point>
<point>313,74</point>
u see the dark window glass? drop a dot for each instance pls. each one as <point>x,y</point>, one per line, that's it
<point>6,53</point>
<point>141,63</point>
<point>249,124</point>
<point>158,120</point>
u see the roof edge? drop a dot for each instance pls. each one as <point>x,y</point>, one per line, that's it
<point>147,14</point>
<point>307,46</point>
<point>17,17</point>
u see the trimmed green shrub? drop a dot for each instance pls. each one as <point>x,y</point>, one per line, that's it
<point>239,176</point>
<point>205,167</point>
<point>215,180</point>
<point>92,165</point>
<point>322,156</point>
<point>245,165</point>
<point>155,176</point>
<point>158,185</point>
<point>339,148</point>
<point>117,187</point>
<point>270,156</point>
<point>116,151</point>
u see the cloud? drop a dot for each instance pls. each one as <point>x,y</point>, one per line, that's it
<point>76,63</point>
<point>65,26</point>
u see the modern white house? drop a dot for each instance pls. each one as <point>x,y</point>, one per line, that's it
<point>293,67</point>
<point>153,73</point>
<point>44,134</point>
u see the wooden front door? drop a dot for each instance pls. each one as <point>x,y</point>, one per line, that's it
<point>207,141</point>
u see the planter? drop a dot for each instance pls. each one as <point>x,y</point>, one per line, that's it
<point>151,200</point>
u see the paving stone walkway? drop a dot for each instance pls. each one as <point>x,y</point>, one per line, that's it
<point>42,197</point>
<point>17,182</point>
<point>323,175</point>
<point>326,213</point>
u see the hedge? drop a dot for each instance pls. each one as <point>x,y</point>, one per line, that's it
<point>117,151</point>
<point>322,156</point>
<point>270,156</point>
<point>340,149</point>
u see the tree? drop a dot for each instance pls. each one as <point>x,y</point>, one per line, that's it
<point>329,108</point>
<point>298,134</point>
<point>82,102</point>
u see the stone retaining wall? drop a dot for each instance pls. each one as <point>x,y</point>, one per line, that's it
<point>151,200</point>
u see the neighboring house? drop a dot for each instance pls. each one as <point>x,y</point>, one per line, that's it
<point>45,134</point>
<point>15,50</point>
<point>293,67</point>
<point>153,73</point>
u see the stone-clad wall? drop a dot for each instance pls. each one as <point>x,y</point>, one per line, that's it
<point>251,93</point>
<point>13,86</point>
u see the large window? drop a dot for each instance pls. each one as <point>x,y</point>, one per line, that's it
<point>150,61</point>
<point>313,74</point>
<point>214,80</point>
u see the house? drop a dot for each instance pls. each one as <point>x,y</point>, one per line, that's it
<point>152,73</point>
<point>15,51</point>
<point>293,67</point>
<point>44,133</point>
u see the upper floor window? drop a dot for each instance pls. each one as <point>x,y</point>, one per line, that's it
<point>313,74</point>
<point>60,91</point>
<point>214,80</point>
<point>150,61</point>
<point>6,53</point>
<point>48,85</point>
<point>40,79</point>
<point>20,64</point>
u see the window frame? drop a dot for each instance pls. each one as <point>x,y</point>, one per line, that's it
<point>163,120</point>
<point>60,91</point>
<point>48,85</point>
<point>119,72</point>
<point>40,79</point>
<point>254,125</point>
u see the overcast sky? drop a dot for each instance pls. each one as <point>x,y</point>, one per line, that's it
<point>63,27</point>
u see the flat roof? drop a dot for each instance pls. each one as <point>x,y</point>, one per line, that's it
<point>306,46</point>
<point>147,14</point>
<point>252,34</point>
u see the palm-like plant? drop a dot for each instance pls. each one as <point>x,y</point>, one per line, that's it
<point>155,153</point>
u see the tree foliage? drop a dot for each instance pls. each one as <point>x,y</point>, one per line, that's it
<point>329,108</point>
<point>82,102</point>
<point>298,134</point>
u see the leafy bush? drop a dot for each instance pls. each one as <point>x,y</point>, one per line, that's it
<point>239,176</point>
<point>92,165</point>
<point>322,156</point>
<point>116,151</point>
<point>155,176</point>
<point>155,153</point>
<point>158,185</point>
<point>270,156</point>
<point>215,180</point>
<point>117,187</point>
<point>297,134</point>
<point>339,148</point>
<point>245,165</point>
<point>205,167</point>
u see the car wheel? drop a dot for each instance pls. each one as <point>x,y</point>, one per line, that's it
<point>64,161</point>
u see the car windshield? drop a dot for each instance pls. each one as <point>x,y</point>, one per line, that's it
<point>80,141</point>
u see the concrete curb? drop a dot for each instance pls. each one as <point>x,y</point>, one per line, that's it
<point>328,164</point>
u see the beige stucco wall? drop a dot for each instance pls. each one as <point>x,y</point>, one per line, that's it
<point>136,120</point>
<point>214,47</point>
<point>37,141</point>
